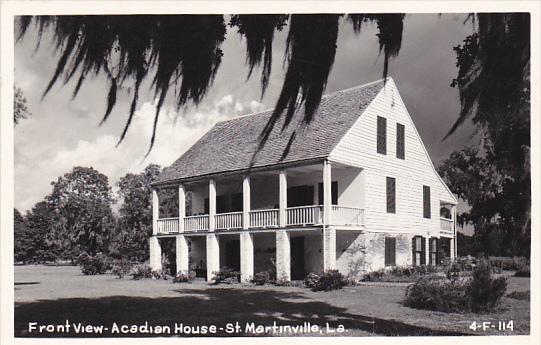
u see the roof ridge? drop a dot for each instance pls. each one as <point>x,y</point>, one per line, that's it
<point>261,112</point>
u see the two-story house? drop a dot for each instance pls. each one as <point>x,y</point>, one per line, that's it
<point>353,189</point>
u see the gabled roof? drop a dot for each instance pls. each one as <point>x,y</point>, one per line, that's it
<point>233,145</point>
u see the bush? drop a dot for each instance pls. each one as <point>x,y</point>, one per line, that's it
<point>226,276</point>
<point>520,295</point>
<point>508,263</point>
<point>479,293</point>
<point>282,282</point>
<point>485,292</point>
<point>141,271</point>
<point>261,278</point>
<point>523,272</point>
<point>330,280</point>
<point>184,277</point>
<point>399,274</point>
<point>92,265</point>
<point>158,275</point>
<point>121,268</point>
<point>311,280</point>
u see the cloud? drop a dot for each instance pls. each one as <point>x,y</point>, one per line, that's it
<point>176,132</point>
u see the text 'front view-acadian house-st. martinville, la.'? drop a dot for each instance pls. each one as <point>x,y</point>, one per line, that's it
<point>354,189</point>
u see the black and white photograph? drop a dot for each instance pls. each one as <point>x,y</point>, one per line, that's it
<point>215,169</point>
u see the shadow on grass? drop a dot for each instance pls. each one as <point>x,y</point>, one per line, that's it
<point>205,307</point>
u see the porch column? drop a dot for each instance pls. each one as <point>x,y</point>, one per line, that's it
<point>452,248</point>
<point>329,249</point>
<point>155,253</point>
<point>327,193</point>
<point>427,249</point>
<point>182,258</point>
<point>454,252</point>
<point>283,255</point>
<point>155,211</point>
<point>245,203</point>
<point>181,207</point>
<point>246,257</point>
<point>212,203</point>
<point>283,198</point>
<point>213,256</point>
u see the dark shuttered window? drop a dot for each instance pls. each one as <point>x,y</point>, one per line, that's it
<point>334,193</point>
<point>391,195</point>
<point>382,135</point>
<point>418,248</point>
<point>400,141</point>
<point>434,257</point>
<point>426,202</point>
<point>390,251</point>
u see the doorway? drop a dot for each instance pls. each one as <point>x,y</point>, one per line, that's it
<point>232,255</point>
<point>297,258</point>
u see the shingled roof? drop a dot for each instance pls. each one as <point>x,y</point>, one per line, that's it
<point>233,145</point>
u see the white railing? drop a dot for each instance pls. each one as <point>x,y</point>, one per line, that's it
<point>304,215</point>
<point>231,220</point>
<point>264,218</point>
<point>347,215</point>
<point>196,223</point>
<point>167,225</point>
<point>446,224</point>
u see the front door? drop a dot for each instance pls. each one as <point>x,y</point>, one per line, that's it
<point>297,258</point>
<point>232,255</point>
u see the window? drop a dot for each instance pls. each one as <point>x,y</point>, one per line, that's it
<point>433,251</point>
<point>391,195</point>
<point>400,141</point>
<point>390,251</point>
<point>426,202</point>
<point>334,193</point>
<point>418,247</point>
<point>382,135</point>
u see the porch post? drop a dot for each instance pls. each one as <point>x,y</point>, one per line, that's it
<point>327,193</point>
<point>283,198</point>
<point>182,258</point>
<point>329,249</point>
<point>283,255</point>
<point>155,253</point>
<point>427,249</point>
<point>155,211</point>
<point>181,207</point>
<point>246,202</point>
<point>213,255</point>
<point>246,257</point>
<point>453,240</point>
<point>212,203</point>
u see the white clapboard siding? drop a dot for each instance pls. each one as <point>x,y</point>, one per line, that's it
<point>358,147</point>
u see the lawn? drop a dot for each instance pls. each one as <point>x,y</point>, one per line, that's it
<point>52,295</point>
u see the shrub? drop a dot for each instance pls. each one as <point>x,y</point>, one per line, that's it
<point>311,280</point>
<point>523,272</point>
<point>520,295</point>
<point>261,278</point>
<point>92,265</point>
<point>399,274</point>
<point>184,277</point>
<point>226,276</point>
<point>158,275</point>
<point>282,282</point>
<point>141,271</point>
<point>508,263</point>
<point>330,280</point>
<point>485,292</point>
<point>121,268</point>
<point>437,294</point>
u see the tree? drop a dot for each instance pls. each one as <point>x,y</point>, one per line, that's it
<point>81,201</point>
<point>135,221</point>
<point>20,109</point>
<point>22,238</point>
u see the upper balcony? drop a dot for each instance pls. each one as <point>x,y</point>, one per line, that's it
<point>301,196</point>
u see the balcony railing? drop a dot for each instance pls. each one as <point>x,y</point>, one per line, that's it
<point>264,218</point>
<point>295,216</point>
<point>196,223</point>
<point>304,215</point>
<point>346,215</point>
<point>446,224</point>
<point>167,225</point>
<point>225,221</point>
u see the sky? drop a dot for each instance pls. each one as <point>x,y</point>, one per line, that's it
<point>64,132</point>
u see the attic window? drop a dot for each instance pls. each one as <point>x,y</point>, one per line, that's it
<point>400,141</point>
<point>382,135</point>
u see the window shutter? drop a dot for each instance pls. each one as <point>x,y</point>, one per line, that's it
<point>423,251</point>
<point>393,251</point>
<point>391,195</point>
<point>390,251</point>
<point>426,202</point>
<point>400,141</point>
<point>387,252</point>
<point>413,249</point>
<point>382,135</point>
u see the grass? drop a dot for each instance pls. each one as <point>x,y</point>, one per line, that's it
<point>51,295</point>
